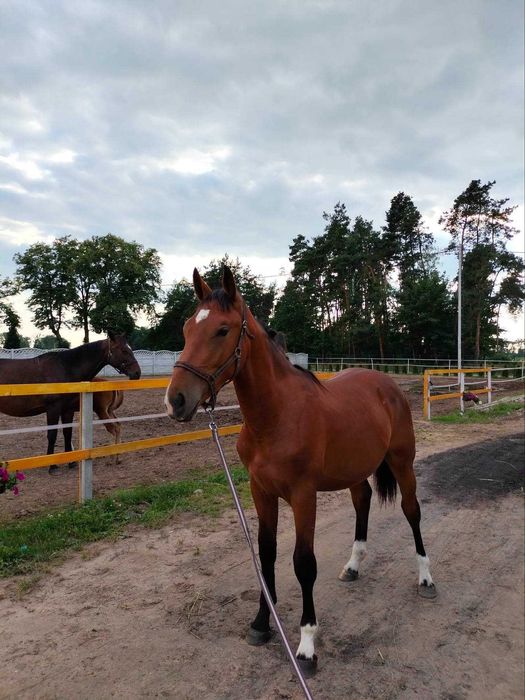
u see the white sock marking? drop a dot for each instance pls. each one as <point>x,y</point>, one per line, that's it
<point>203,314</point>
<point>306,647</point>
<point>424,570</point>
<point>357,556</point>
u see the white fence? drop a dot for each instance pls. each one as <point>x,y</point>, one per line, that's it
<point>410,365</point>
<point>152,362</point>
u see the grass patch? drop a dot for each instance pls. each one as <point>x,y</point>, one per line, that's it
<point>25,545</point>
<point>505,408</point>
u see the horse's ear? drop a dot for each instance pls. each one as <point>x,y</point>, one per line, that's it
<point>201,288</point>
<point>228,283</point>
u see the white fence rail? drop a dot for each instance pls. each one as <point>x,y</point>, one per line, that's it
<point>410,365</point>
<point>152,362</point>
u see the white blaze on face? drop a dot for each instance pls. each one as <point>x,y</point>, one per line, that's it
<point>203,314</point>
<point>169,407</point>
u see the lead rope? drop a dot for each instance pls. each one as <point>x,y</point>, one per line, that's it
<point>264,587</point>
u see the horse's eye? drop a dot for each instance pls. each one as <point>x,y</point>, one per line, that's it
<point>223,331</point>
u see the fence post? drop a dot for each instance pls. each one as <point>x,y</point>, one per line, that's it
<point>489,386</point>
<point>426,402</point>
<point>461,390</point>
<point>85,474</point>
<point>372,362</point>
<point>155,363</point>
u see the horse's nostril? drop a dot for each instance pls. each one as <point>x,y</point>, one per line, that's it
<point>178,402</point>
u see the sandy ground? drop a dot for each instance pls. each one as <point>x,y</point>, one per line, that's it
<point>163,613</point>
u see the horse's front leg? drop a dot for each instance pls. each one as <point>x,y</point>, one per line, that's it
<point>52,418</point>
<point>67,417</point>
<point>267,507</point>
<point>305,566</point>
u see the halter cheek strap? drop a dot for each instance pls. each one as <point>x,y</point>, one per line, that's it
<point>235,357</point>
<point>121,369</point>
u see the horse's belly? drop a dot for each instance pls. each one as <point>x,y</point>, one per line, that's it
<point>22,406</point>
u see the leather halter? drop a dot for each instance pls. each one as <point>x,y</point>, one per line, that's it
<point>121,369</point>
<point>234,357</point>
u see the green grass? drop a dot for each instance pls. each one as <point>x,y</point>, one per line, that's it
<point>26,545</point>
<point>485,416</point>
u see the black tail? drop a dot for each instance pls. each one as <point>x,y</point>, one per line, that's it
<point>386,485</point>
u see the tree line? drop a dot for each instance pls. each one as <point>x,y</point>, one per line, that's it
<point>354,290</point>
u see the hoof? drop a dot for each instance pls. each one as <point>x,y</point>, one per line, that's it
<point>348,575</point>
<point>255,638</point>
<point>308,666</point>
<point>427,591</point>
<point>53,469</point>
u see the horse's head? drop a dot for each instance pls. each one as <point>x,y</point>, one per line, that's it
<point>121,357</point>
<point>213,348</point>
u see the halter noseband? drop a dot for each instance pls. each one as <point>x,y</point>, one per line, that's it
<point>234,357</point>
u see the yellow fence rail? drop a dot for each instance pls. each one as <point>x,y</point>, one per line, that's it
<point>87,451</point>
<point>427,386</point>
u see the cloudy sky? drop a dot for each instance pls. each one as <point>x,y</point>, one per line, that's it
<point>201,128</point>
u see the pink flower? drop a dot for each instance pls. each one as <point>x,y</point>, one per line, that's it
<point>16,490</point>
<point>4,475</point>
<point>20,476</point>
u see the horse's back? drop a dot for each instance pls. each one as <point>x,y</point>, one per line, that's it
<point>372,410</point>
<point>32,370</point>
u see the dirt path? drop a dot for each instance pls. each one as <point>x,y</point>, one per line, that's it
<point>163,613</point>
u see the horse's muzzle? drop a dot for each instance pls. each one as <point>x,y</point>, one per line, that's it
<point>179,408</point>
<point>135,374</point>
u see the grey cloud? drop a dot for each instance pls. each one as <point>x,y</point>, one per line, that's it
<point>309,97</point>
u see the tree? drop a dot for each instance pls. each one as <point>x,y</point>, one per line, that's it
<point>12,338</point>
<point>407,244</point>
<point>49,342</point>
<point>259,297</point>
<point>296,319</point>
<point>45,270</point>
<point>114,280</point>
<point>102,283</point>
<point>424,316</point>
<point>480,226</point>
<point>180,305</point>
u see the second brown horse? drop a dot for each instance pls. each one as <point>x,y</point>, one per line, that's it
<point>79,364</point>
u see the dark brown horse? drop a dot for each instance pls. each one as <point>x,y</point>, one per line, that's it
<point>299,437</point>
<point>79,364</point>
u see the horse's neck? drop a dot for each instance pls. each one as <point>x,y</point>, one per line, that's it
<point>86,361</point>
<point>257,385</point>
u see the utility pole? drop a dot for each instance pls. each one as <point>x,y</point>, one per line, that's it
<point>460,266</point>
<point>461,376</point>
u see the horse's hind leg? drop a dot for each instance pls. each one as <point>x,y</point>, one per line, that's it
<point>403,471</point>
<point>361,495</point>
<point>267,507</point>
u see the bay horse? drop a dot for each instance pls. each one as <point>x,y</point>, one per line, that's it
<point>300,436</point>
<point>105,404</point>
<point>78,364</point>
